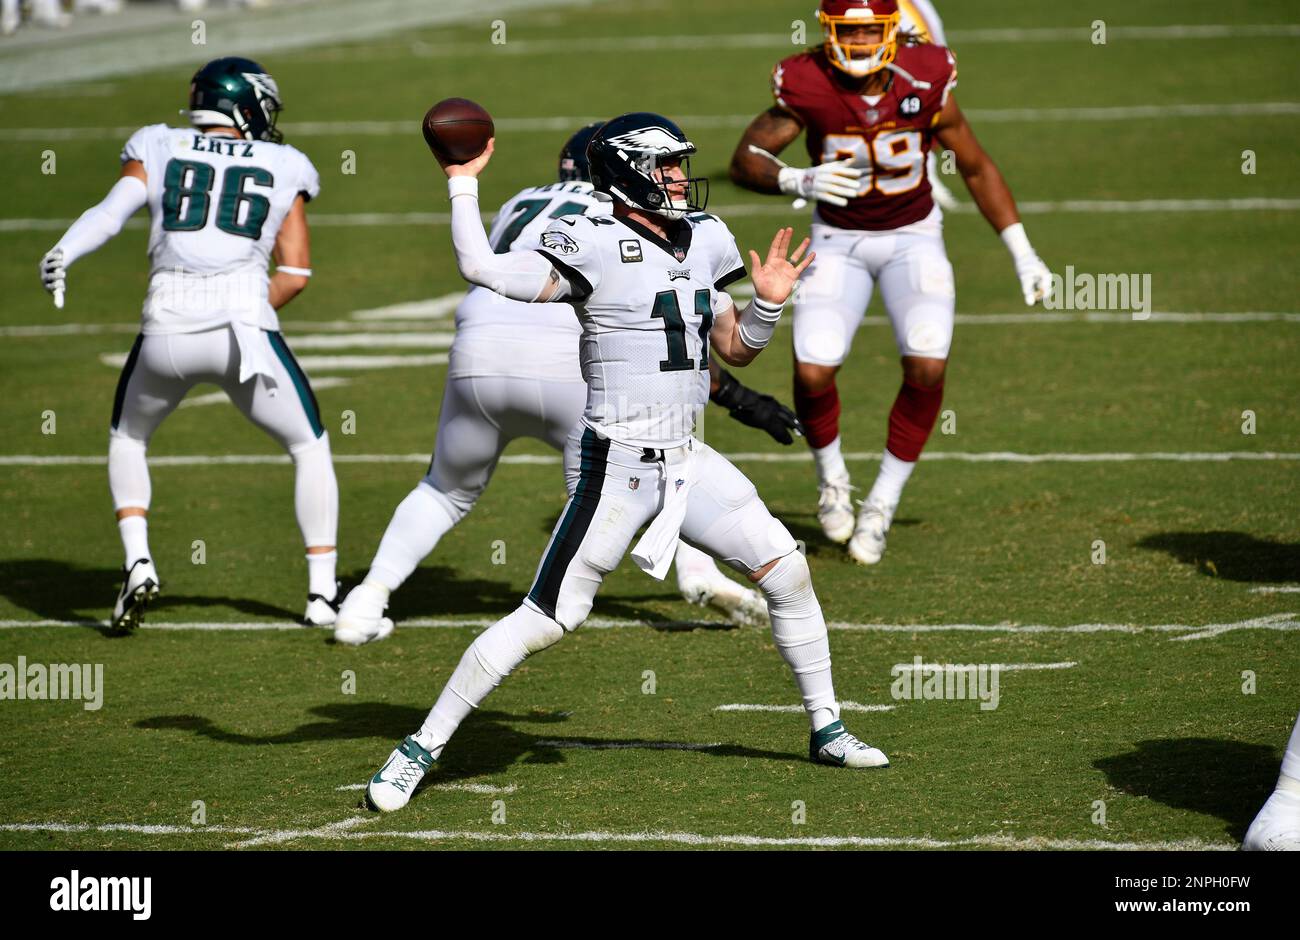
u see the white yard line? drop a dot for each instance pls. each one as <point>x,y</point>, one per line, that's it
<point>345,831</point>
<point>329,831</point>
<point>221,398</point>
<point>328,363</point>
<point>1282,622</point>
<point>198,460</point>
<point>799,709</point>
<point>771,207</point>
<point>1283,589</point>
<point>451,787</point>
<point>1001,667</point>
<point>627,745</point>
<point>403,128</point>
<point>397,321</point>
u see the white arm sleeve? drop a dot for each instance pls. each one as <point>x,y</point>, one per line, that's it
<point>519,275</point>
<point>100,223</point>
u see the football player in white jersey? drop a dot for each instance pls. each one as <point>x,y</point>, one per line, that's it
<point>513,372</point>
<point>224,196</point>
<point>649,284</point>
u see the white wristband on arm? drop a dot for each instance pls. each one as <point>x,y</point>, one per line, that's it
<point>462,186</point>
<point>285,269</point>
<point>757,322</point>
<point>1017,242</point>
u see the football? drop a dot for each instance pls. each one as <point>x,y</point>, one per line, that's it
<point>457,130</point>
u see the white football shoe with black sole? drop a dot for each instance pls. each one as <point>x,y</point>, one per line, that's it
<point>140,585</point>
<point>320,612</point>
<point>393,784</point>
<point>743,606</point>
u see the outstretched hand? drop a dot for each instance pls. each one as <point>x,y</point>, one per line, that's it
<point>775,277</point>
<point>473,167</point>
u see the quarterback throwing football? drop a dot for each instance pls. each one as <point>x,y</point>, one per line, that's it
<point>649,285</point>
<point>870,106</point>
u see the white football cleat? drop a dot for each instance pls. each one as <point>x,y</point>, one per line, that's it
<point>1277,827</point>
<point>743,606</point>
<point>833,745</point>
<point>868,543</point>
<point>361,616</point>
<point>321,612</point>
<point>391,787</point>
<point>835,509</point>
<point>140,585</point>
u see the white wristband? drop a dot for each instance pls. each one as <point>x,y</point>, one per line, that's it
<point>1017,242</point>
<point>757,322</point>
<point>285,269</point>
<point>462,186</point>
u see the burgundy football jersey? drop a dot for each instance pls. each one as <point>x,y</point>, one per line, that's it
<point>887,140</point>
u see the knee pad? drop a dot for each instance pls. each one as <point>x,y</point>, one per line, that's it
<point>788,585</point>
<point>128,472</point>
<point>511,640</point>
<point>455,503</point>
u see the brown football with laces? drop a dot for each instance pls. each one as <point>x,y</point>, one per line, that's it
<point>457,130</point>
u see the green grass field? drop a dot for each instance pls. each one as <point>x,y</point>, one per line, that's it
<point>1173,709</point>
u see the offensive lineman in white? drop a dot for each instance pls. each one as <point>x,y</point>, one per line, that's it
<point>223,197</point>
<point>513,372</point>
<point>648,283</point>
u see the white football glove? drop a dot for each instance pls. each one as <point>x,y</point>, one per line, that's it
<point>835,183</point>
<point>1035,278</point>
<point>54,275</point>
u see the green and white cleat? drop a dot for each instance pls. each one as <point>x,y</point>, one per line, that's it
<point>391,788</point>
<point>835,746</point>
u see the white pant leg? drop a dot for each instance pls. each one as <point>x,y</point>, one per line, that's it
<point>616,493</point>
<point>726,517</point>
<point>831,299</point>
<point>148,390</point>
<point>288,412</point>
<point>917,287</point>
<point>480,415</point>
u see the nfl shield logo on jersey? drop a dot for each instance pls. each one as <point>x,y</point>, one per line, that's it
<point>679,254</point>
<point>633,482</point>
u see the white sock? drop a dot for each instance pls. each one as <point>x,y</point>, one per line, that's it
<point>693,563</point>
<point>1291,759</point>
<point>135,538</point>
<point>367,599</point>
<point>320,574</point>
<point>799,631</point>
<point>830,462</point>
<point>490,658</point>
<point>419,521</point>
<point>888,488</point>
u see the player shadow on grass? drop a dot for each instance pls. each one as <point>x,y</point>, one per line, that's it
<point>439,591</point>
<point>1236,556</point>
<point>57,590</point>
<point>1217,777</point>
<point>487,743</point>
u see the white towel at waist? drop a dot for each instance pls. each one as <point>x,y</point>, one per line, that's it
<point>255,355</point>
<point>655,550</point>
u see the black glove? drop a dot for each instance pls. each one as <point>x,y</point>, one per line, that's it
<point>758,411</point>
